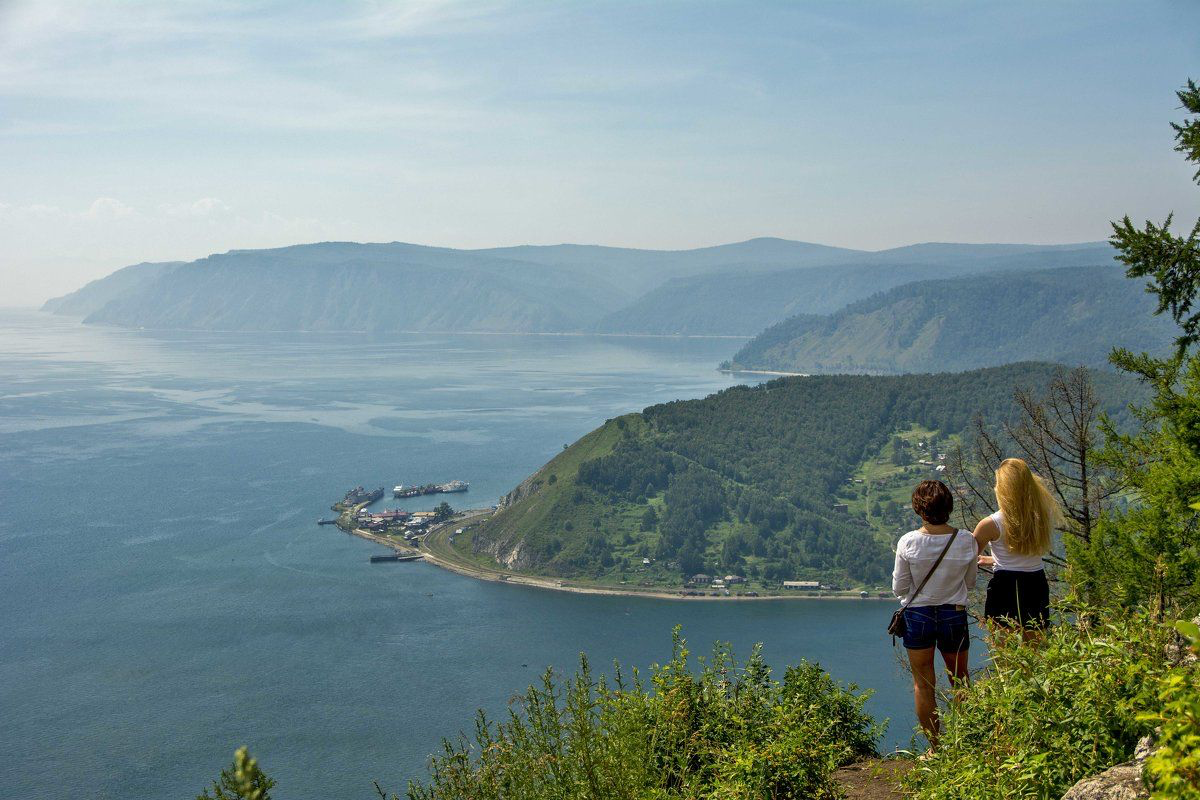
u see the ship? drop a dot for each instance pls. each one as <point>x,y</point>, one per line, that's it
<point>358,495</point>
<point>452,487</point>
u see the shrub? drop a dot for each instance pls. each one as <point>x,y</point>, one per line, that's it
<point>1173,771</point>
<point>1048,714</point>
<point>727,732</point>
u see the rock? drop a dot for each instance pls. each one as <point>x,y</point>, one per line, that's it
<point>1122,782</point>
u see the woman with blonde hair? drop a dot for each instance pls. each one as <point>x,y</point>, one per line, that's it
<point>1018,594</point>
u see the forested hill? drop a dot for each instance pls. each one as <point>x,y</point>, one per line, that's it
<point>965,323</point>
<point>741,482</point>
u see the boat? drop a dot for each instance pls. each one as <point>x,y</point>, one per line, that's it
<point>358,495</point>
<point>400,490</point>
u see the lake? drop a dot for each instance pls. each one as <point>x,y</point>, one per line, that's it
<point>167,595</point>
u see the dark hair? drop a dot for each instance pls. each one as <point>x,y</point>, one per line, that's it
<point>933,502</point>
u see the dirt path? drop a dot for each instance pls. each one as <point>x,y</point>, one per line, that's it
<point>874,779</point>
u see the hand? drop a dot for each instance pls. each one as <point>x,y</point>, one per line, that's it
<point>986,561</point>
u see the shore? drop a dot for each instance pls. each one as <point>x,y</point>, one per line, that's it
<point>438,551</point>
<point>764,372</point>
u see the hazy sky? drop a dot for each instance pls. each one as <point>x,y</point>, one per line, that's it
<point>160,131</point>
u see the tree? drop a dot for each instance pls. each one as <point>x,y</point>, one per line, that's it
<point>443,512</point>
<point>649,519</point>
<point>1057,433</point>
<point>1150,554</point>
<point>242,780</point>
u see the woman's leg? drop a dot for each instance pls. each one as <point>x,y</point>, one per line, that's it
<point>924,696</point>
<point>956,668</point>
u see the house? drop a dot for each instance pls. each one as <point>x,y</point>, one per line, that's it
<point>803,585</point>
<point>841,508</point>
<point>940,468</point>
<point>645,562</point>
<point>701,579</point>
<point>730,580</point>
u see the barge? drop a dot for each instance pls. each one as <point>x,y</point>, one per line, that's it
<point>452,487</point>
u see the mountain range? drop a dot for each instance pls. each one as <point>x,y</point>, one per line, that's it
<point>733,289</point>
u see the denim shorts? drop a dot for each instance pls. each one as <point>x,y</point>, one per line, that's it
<point>944,626</point>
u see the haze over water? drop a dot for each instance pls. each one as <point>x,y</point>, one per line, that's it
<point>167,596</point>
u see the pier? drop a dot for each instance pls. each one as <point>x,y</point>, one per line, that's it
<point>397,556</point>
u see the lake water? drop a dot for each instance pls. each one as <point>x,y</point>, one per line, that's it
<point>167,597</point>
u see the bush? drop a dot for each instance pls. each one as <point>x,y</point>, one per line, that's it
<point>1048,714</point>
<point>1173,771</point>
<point>727,732</point>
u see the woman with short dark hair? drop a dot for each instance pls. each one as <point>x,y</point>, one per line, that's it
<point>935,567</point>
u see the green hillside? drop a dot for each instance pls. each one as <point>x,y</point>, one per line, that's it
<point>746,481</point>
<point>1071,315</point>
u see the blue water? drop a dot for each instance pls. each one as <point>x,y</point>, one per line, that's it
<point>166,596</point>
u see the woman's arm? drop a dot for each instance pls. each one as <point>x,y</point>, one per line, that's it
<point>985,533</point>
<point>972,572</point>
<point>902,582</point>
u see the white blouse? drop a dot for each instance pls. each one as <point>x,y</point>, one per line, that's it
<point>915,553</point>
<point>1008,560</point>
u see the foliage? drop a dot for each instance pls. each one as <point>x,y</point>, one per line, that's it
<point>1173,770</point>
<point>1048,714</point>
<point>1150,554</point>
<point>443,512</point>
<point>242,780</point>
<point>730,731</point>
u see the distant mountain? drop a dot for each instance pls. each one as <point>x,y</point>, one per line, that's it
<point>744,303</point>
<point>1071,315</point>
<point>99,293</point>
<point>737,288</point>
<point>346,286</point>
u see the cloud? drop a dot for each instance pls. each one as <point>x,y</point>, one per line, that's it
<point>108,208</point>
<point>203,208</point>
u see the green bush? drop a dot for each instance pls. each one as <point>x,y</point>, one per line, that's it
<point>729,731</point>
<point>1173,771</point>
<point>1049,713</point>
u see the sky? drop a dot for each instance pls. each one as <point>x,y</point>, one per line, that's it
<point>155,131</point>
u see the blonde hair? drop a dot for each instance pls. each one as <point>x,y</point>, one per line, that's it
<point>1030,512</point>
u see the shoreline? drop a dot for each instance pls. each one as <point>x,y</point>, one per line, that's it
<point>765,372</point>
<point>433,551</point>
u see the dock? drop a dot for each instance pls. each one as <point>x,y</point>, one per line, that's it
<point>397,557</point>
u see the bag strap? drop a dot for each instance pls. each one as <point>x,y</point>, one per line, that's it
<point>932,569</point>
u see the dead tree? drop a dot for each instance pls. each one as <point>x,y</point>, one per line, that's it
<point>1055,432</point>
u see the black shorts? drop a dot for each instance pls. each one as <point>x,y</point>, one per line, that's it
<point>1018,598</point>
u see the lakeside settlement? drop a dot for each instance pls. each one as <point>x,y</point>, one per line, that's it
<point>442,537</point>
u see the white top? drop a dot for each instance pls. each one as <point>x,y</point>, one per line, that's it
<point>1005,558</point>
<point>915,553</point>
